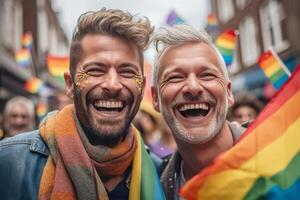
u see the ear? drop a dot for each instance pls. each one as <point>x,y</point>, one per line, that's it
<point>229,94</point>
<point>155,99</point>
<point>69,85</point>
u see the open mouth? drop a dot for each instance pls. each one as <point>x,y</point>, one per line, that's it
<point>108,106</point>
<point>193,109</point>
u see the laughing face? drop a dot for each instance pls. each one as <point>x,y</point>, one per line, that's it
<point>191,92</point>
<point>105,87</point>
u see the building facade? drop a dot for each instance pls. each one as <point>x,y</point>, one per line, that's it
<point>262,24</point>
<point>16,18</point>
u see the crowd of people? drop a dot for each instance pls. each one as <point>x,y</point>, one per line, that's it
<point>90,148</point>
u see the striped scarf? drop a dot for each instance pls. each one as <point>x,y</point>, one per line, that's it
<point>72,169</point>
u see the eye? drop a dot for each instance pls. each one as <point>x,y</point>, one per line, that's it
<point>95,71</point>
<point>128,72</point>
<point>207,76</point>
<point>173,78</point>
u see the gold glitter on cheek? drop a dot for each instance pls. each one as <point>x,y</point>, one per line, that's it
<point>81,80</point>
<point>139,81</point>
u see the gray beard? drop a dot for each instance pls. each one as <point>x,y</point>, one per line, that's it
<point>181,134</point>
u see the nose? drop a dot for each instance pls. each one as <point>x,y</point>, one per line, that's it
<point>112,83</point>
<point>193,87</point>
<point>19,119</point>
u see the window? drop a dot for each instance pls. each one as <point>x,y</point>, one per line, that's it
<point>225,10</point>
<point>273,20</point>
<point>248,37</point>
<point>235,66</point>
<point>13,23</point>
<point>241,3</point>
<point>43,27</point>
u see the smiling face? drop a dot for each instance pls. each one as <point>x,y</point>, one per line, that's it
<point>18,119</point>
<point>107,87</point>
<point>191,92</point>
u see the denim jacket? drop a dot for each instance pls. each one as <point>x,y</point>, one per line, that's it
<point>22,160</point>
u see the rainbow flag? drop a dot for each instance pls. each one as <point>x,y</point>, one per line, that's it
<point>34,85</point>
<point>173,18</point>
<point>226,43</point>
<point>273,68</point>
<point>265,163</point>
<point>145,183</point>
<point>41,109</point>
<point>57,65</point>
<point>212,20</point>
<point>27,40</point>
<point>23,57</point>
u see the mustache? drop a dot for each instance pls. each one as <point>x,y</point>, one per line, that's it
<point>104,95</point>
<point>199,98</point>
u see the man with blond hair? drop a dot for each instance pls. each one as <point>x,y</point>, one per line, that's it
<point>89,150</point>
<point>192,90</point>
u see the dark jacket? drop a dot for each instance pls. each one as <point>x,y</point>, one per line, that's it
<point>22,160</point>
<point>170,169</point>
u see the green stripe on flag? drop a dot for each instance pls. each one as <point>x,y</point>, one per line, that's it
<point>225,51</point>
<point>277,75</point>
<point>147,182</point>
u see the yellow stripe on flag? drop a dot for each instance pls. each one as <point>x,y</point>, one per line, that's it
<point>272,69</point>
<point>135,185</point>
<point>225,43</point>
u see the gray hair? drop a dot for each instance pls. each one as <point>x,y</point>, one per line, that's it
<point>167,37</point>
<point>20,100</point>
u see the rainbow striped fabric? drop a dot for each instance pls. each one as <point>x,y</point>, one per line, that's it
<point>173,18</point>
<point>27,40</point>
<point>41,110</point>
<point>23,57</point>
<point>265,163</point>
<point>226,43</point>
<point>34,85</point>
<point>145,184</point>
<point>273,69</point>
<point>212,20</point>
<point>57,65</point>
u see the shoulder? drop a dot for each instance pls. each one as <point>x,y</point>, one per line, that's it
<point>23,158</point>
<point>237,130</point>
<point>29,141</point>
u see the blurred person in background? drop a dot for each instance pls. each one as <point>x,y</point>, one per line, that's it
<point>156,134</point>
<point>58,100</point>
<point>18,116</point>
<point>165,145</point>
<point>245,109</point>
<point>147,122</point>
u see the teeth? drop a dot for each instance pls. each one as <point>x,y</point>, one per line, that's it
<point>108,104</point>
<point>185,107</point>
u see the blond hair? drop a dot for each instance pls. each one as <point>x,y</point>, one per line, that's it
<point>112,22</point>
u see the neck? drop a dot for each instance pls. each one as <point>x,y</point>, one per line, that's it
<point>195,157</point>
<point>112,182</point>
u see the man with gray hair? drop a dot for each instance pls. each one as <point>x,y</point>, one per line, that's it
<point>19,116</point>
<point>192,90</point>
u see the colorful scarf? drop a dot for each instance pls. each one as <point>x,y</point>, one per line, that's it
<point>72,169</point>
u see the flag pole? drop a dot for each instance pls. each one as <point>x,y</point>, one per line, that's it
<point>284,67</point>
